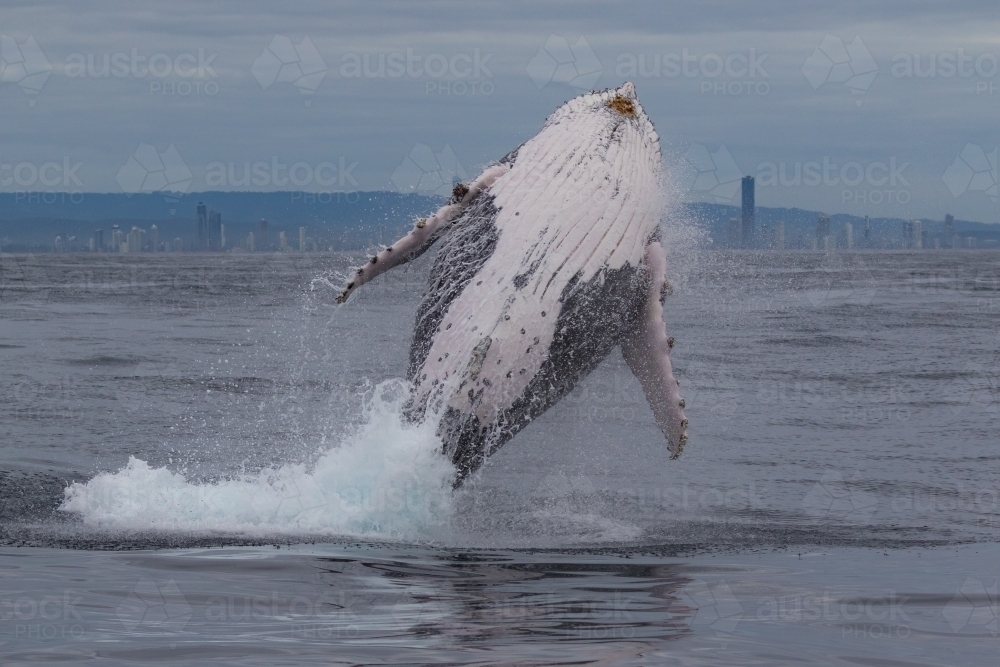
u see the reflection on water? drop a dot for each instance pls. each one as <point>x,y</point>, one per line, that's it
<point>416,605</point>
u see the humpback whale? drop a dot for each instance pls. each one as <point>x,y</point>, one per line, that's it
<point>548,260</point>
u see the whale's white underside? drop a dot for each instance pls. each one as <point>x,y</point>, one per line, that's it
<point>582,196</point>
<point>575,205</point>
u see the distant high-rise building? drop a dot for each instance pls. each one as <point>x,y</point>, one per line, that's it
<point>823,232</point>
<point>135,240</point>
<point>868,232</point>
<point>735,233</point>
<point>970,241</point>
<point>849,235</point>
<point>178,244</point>
<point>116,238</point>
<point>222,236</point>
<point>203,242</point>
<point>250,247</point>
<point>282,243</point>
<point>59,245</point>
<point>918,235</point>
<point>779,235</point>
<point>747,235</point>
<point>215,230</point>
<point>302,239</point>
<point>154,239</point>
<point>949,231</point>
<point>262,241</point>
<point>907,234</point>
<point>98,240</point>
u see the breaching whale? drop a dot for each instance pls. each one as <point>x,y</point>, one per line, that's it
<point>549,260</point>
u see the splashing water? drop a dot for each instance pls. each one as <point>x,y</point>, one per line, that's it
<point>388,479</point>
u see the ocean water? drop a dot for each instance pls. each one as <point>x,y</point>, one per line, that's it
<point>203,458</point>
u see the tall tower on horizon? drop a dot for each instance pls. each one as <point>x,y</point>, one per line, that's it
<point>215,231</point>
<point>949,231</point>
<point>823,232</point>
<point>747,240</point>
<point>262,241</point>
<point>202,217</point>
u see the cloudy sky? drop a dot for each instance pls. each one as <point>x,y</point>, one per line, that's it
<point>855,107</point>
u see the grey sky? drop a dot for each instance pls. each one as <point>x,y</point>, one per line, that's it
<point>900,134</point>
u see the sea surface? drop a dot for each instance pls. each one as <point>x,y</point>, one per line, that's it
<point>202,459</point>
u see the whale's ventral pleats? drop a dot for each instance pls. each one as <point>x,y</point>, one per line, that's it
<point>566,225</point>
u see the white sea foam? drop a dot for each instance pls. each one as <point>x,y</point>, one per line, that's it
<point>388,479</point>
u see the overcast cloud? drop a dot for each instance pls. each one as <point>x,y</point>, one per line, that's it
<point>856,107</point>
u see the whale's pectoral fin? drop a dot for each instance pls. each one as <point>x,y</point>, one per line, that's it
<point>425,232</point>
<point>647,352</point>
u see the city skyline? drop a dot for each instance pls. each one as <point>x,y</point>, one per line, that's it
<point>913,237</point>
